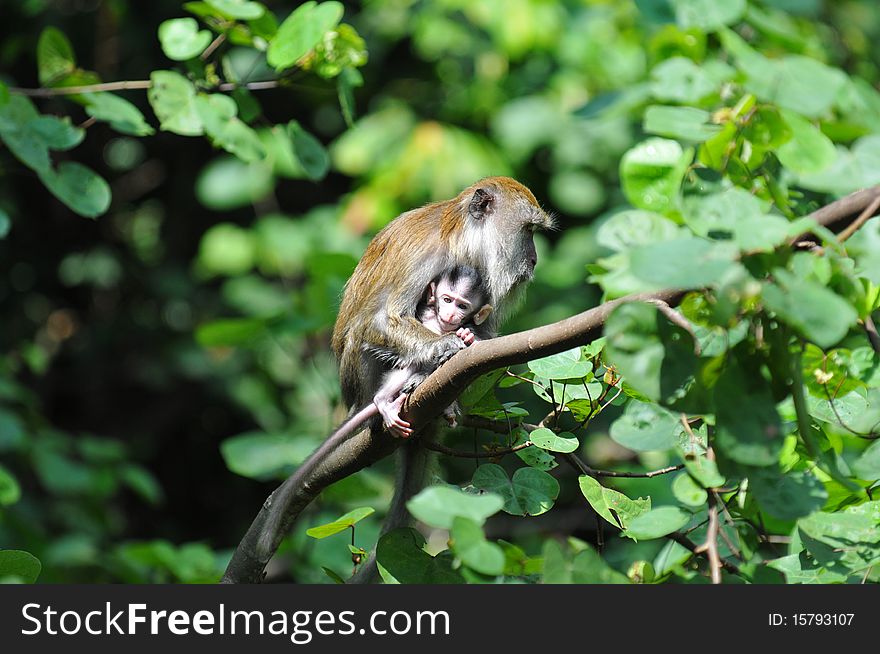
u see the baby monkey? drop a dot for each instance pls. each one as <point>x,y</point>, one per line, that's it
<point>453,302</point>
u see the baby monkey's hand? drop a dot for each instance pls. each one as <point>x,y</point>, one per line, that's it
<point>466,335</point>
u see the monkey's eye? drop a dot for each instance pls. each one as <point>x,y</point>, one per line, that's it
<point>446,299</point>
<point>463,307</point>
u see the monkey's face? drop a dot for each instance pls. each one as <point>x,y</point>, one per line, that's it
<point>505,215</point>
<point>454,303</point>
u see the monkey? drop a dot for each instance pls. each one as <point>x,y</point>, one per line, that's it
<point>489,226</point>
<point>452,302</point>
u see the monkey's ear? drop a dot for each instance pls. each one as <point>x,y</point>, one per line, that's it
<point>481,204</point>
<point>432,292</point>
<point>481,315</point>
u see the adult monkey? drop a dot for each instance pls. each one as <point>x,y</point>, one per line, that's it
<point>489,226</point>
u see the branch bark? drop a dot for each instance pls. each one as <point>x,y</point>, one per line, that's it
<point>327,465</point>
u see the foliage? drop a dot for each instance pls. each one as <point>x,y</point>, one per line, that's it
<point>161,360</point>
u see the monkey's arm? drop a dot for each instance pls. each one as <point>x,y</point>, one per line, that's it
<point>409,343</point>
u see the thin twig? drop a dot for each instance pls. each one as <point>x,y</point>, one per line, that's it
<point>712,541</point>
<point>463,454</point>
<point>871,331</point>
<point>692,547</point>
<point>130,85</point>
<point>216,43</point>
<point>854,226</point>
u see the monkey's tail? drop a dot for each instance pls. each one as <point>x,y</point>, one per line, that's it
<point>278,502</point>
<point>413,469</point>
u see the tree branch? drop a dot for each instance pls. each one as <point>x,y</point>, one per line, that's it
<point>329,464</point>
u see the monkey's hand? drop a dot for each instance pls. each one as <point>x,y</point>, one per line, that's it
<point>445,347</point>
<point>390,411</point>
<point>466,335</point>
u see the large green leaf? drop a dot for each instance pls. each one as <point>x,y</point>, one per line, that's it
<point>788,495</point>
<point>301,31</point>
<point>18,564</point>
<point>707,15</point>
<point>439,505</point>
<point>471,546</point>
<point>402,559</point>
<point>815,311</point>
<point>118,112</point>
<point>79,187</point>
<point>55,58</point>
<point>218,115</point>
<point>172,97</point>
<point>652,172</point>
<point>241,9</point>
<point>657,523</point>
<point>182,39</point>
<point>529,492</point>
<point>613,506</point>
<point>683,123</point>
<point>570,364</point>
<point>583,567</point>
<point>644,427</point>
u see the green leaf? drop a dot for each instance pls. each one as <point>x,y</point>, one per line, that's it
<point>172,97</point>
<point>20,564</point>
<point>613,506</point>
<point>533,456</point>
<point>339,50</point>
<point>867,466</point>
<point>851,170</point>
<point>752,437</point>
<point>309,151</point>
<point>258,455</point>
<point>437,506</point>
<point>10,491</point>
<point>228,183</point>
<point>705,471</point>
<point>707,15</point>
<point>687,262</point>
<point>809,150</point>
<point>241,9</point>
<point>218,115</point>
<point>301,31</point>
<point>626,230</point>
<point>818,313</point>
<point>848,539</point>
<point>788,495</point>
<point>683,123</point>
<point>227,249</point>
<point>657,523</point>
<point>529,492</point>
<point>5,223</point>
<point>687,491</point>
<point>30,135</point>
<point>57,133</point>
<point>471,546</point>
<point>679,79</point>
<point>548,440</point>
<point>341,523</point>
<point>585,567</point>
<point>230,332</point>
<point>79,187</point>
<point>402,559</point>
<point>652,172</point>
<point>118,112</point>
<point>794,82</point>
<point>565,365</point>
<point>55,58</point>
<point>182,39</point>
<point>142,482</point>
<point>654,356</point>
<point>720,212</point>
<point>349,79</point>
<point>644,427</point>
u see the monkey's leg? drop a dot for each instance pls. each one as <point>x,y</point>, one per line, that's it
<point>389,402</point>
